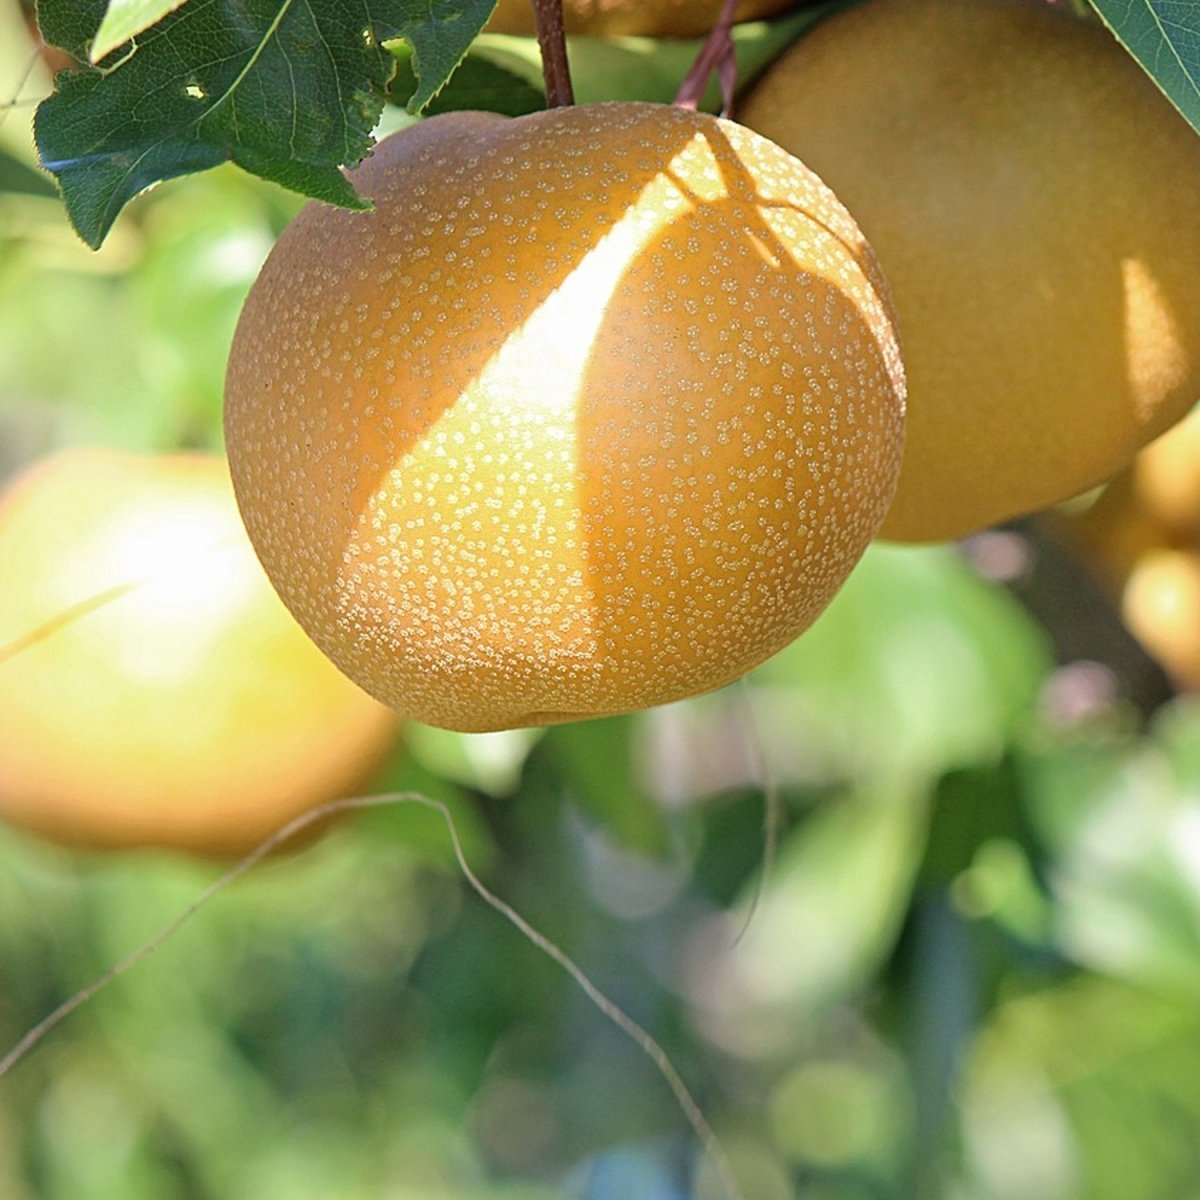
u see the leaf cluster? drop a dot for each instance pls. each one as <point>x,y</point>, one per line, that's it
<point>288,89</point>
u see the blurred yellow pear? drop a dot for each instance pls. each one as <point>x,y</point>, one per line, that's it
<point>153,689</point>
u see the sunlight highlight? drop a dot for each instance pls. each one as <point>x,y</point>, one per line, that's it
<point>468,528</point>
<point>1154,348</point>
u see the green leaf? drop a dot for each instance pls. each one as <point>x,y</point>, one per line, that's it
<point>484,80</point>
<point>833,904</point>
<point>1164,36</point>
<point>20,178</point>
<point>596,760</point>
<point>972,806</point>
<point>288,90</point>
<point>69,26</point>
<point>489,762</point>
<point>125,19</point>
<point>917,665</point>
<point>1122,834</point>
<point>440,32</point>
<point>1102,1077</point>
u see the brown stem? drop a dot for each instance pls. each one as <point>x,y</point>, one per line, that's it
<point>716,55</point>
<point>552,40</point>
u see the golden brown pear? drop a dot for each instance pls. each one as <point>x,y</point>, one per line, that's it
<point>153,689</point>
<point>595,410</point>
<point>633,18</point>
<point>1032,198</point>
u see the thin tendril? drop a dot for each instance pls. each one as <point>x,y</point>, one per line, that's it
<point>640,1036</point>
<point>84,608</point>
<point>67,617</point>
<point>635,1032</point>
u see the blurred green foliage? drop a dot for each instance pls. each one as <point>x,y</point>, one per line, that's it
<point>972,970</point>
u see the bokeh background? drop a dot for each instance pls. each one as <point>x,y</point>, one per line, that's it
<point>973,969</point>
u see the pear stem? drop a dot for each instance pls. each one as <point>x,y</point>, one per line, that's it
<point>552,40</point>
